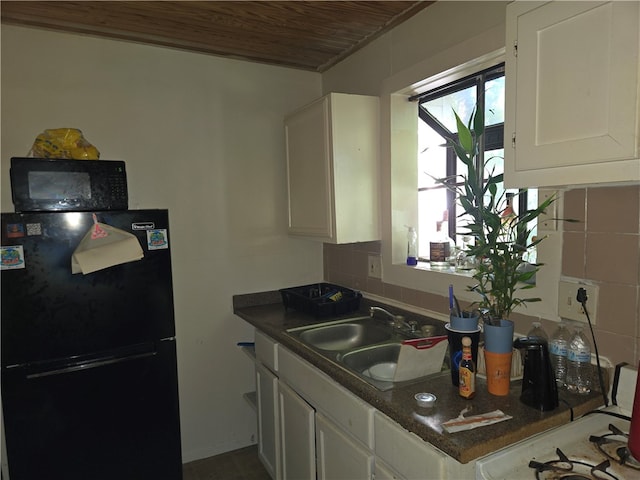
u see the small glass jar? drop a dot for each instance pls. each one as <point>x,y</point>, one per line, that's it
<point>463,261</point>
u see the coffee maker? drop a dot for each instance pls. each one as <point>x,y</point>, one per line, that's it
<point>539,388</point>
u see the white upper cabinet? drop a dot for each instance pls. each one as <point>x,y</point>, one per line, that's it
<point>332,169</point>
<point>572,93</point>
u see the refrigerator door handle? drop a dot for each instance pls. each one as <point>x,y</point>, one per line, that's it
<point>87,365</point>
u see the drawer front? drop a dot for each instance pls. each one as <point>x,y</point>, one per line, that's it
<point>337,403</point>
<point>407,453</point>
<point>266,351</point>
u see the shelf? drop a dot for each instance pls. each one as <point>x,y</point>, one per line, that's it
<point>252,399</point>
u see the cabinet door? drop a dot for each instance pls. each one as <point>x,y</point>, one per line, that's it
<point>338,455</point>
<point>309,171</point>
<point>268,423</point>
<point>408,454</point>
<point>384,472</point>
<point>332,169</point>
<point>297,432</point>
<point>572,93</point>
<point>352,414</point>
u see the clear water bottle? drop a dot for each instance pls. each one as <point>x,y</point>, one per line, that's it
<point>579,363</point>
<point>412,246</point>
<point>538,331</point>
<point>558,352</point>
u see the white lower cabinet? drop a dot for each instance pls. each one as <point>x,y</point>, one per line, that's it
<point>297,434</point>
<point>405,455</point>
<point>268,421</point>
<point>338,456</point>
<point>267,395</point>
<point>266,351</point>
<point>405,452</point>
<point>311,427</point>
<point>346,410</point>
<point>382,471</point>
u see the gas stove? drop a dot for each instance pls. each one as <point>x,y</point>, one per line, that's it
<point>591,447</point>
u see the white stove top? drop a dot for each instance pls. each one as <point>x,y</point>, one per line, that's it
<point>573,441</point>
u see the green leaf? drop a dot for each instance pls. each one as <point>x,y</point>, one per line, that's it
<point>478,125</point>
<point>464,135</point>
<point>499,247</point>
<point>462,154</point>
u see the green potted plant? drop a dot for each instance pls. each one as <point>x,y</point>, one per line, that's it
<point>501,241</point>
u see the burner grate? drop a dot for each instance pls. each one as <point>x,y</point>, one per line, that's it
<point>565,468</point>
<point>614,446</point>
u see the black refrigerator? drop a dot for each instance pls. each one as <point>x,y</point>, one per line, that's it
<point>89,377</point>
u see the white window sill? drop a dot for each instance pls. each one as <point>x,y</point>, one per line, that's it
<point>426,266</point>
<point>437,280</point>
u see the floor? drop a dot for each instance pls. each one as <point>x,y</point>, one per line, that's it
<point>242,464</point>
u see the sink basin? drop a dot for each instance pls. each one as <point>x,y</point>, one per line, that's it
<point>376,364</point>
<point>366,347</point>
<point>344,336</point>
<point>375,361</point>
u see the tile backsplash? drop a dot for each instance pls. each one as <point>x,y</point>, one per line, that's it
<point>603,248</point>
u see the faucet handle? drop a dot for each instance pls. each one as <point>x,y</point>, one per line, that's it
<point>399,321</point>
<point>413,325</point>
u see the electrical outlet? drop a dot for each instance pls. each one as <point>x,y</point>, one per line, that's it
<point>568,305</point>
<point>375,266</point>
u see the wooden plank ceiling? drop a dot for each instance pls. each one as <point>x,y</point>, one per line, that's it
<point>310,35</point>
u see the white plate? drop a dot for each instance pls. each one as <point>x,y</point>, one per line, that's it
<point>382,371</point>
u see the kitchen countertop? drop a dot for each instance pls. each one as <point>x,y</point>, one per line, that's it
<point>266,312</point>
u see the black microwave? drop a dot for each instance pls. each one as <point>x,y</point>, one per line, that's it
<point>55,184</point>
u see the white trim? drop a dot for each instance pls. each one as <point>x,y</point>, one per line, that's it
<point>451,75</point>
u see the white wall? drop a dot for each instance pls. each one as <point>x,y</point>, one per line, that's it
<point>203,137</point>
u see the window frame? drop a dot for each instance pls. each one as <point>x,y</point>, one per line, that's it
<point>493,137</point>
<point>399,178</point>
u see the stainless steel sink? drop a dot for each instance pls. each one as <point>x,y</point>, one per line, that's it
<point>367,347</point>
<point>345,336</point>
<point>375,364</point>
<point>338,336</point>
<point>362,359</point>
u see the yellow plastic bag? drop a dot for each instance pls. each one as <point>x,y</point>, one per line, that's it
<point>63,143</point>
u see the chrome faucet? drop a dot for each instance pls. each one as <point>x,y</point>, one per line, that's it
<point>397,321</point>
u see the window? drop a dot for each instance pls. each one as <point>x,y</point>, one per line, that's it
<point>436,205</point>
<point>399,147</point>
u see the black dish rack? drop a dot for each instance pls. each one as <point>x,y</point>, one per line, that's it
<point>321,299</point>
